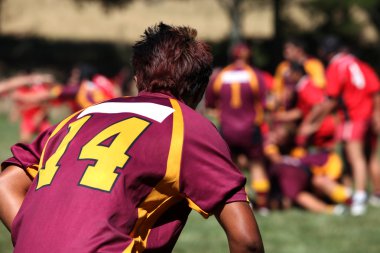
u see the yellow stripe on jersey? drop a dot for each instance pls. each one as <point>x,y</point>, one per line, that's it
<point>235,95</point>
<point>166,193</point>
<point>253,82</point>
<point>56,130</point>
<point>218,83</point>
<point>278,81</point>
<point>259,119</point>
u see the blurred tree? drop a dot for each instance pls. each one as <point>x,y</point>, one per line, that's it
<point>338,18</point>
<point>235,10</point>
<point>107,4</point>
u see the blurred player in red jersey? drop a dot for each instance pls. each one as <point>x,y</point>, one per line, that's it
<point>322,144</point>
<point>352,86</point>
<point>85,87</point>
<point>238,93</point>
<point>33,116</point>
<point>307,95</point>
<point>123,175</point>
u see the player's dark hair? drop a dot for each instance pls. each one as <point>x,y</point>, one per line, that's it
<point>298,42</point>
<point>330,44</point>
<point>170,59</point>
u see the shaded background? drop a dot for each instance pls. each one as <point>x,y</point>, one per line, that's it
<point>58,34</point>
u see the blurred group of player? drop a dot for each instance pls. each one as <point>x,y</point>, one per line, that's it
<point>308,136</point>
<point>33,94</point>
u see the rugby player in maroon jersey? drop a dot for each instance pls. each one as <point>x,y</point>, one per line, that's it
<point>123,175</point>
<point>238,92</point>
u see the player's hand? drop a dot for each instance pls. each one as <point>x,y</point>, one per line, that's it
<point>306,130</point>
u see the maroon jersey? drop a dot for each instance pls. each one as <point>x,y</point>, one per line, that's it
<point>122,176</point>
<point>239,93</point>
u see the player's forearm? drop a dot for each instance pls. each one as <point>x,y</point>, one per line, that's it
<point>238,247</point>
<point>314,119</point>
<point>376,112</point>
<point>14,184</point>
<point>289,116</point>
<point>240,225</point>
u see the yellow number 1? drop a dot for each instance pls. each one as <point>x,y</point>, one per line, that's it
<point>108,149</point>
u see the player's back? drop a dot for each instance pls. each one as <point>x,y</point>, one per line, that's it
<point>240,91</point>
<point>98,166</point>
<point>352,80</point>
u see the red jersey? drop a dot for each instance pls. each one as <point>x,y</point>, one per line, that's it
<point>239,93</point>
<point>34,116</point>
<point>353,82</point>
<point>122,176</point>
<point>309,95</point>
<point>313,67</point>
<point>28,110</point>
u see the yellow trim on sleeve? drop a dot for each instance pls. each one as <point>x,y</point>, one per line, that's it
<point>32,170</point>
<point>253,83</point>
<point>316,71</point>
<point>218,83</point>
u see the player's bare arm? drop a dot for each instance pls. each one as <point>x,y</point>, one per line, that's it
<point>314,119</point>
<point>14,183</point>
<point>288,116</point>
<point>376,112</point>
<point>240,226</point>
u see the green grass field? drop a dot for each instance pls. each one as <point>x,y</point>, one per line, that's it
<point>293,231</point>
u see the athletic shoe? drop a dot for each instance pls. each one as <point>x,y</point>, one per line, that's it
<point>339,210</point>
<point>358,206</point>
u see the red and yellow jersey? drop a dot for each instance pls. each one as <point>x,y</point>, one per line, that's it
<point>122,176</point>
<point>238,91</point>
<point>308,96</point>
<point>353,82</point>
<point>87,93</point>
<point>313,67</point>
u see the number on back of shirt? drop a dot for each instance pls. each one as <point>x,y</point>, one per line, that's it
<point>106,152</point>
<point>357,77</point>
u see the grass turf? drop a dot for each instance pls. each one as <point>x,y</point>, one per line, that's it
<point>293,231</point>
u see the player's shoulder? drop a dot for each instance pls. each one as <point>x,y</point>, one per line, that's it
<point>313,60</point>
<point>195,122</point>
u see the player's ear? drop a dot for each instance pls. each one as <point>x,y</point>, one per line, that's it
<point>135,78</point>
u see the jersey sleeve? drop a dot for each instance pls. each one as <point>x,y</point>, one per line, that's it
<point>372,80</point>
<point>211,95</point>
<point>27,156</point>
<point>67,93</point>
<point>208,178</point>
<point>316,71</point>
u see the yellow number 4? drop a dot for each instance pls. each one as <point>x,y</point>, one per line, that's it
<point>108,149</point>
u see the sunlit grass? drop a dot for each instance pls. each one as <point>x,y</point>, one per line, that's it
<point>293,231</point>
